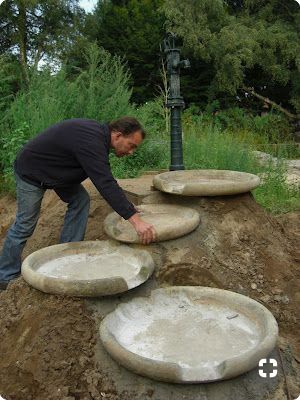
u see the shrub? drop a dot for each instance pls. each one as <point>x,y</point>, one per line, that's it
<point>101,92</point>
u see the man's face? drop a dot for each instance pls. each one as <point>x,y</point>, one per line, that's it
<point>126,145</point>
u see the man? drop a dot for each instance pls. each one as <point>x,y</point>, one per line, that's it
<point>60,158</point>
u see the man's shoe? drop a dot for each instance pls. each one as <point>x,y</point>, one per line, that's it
<point>3,285</point>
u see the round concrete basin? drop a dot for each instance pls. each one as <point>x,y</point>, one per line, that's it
<point>205,182</point>
<point>169,221</point>
<point>189,334</point>
<point>87,269</point>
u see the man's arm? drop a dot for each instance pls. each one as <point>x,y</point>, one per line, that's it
<point>95,162</point>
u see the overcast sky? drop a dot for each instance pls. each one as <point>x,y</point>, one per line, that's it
<point>88,5</point>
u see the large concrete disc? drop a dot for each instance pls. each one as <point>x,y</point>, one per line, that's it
<point>170,222</point>
<point>205,182</point>
<point>189,334</point>
<point>87,269</point>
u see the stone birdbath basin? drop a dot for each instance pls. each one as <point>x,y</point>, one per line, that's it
<point>205,182</point>
<point>87,269</point>
<point>170,221</point>
<point>189,334</point>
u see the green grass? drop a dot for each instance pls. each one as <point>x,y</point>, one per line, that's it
<point>285,151</point>
<point>101,92</point>
<point>210,148</point>
<point>152,154</point>
<point>204,148</point>
<point>274,194</point>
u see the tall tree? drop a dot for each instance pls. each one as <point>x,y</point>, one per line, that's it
<point>33,29</point>
<point>9,80</point>
<point>132,29</point>
<point>249,43</point>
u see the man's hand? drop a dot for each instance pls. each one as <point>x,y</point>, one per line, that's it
<point>145,231</point>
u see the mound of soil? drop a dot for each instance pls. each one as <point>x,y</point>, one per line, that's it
<point>47,347</point>
<point>49,344</point>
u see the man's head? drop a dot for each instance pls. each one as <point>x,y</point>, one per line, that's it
<point>126,135</point>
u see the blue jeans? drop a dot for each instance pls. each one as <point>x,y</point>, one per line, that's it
<point>29,200</point>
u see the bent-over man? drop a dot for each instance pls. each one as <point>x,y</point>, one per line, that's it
<point>60,158</point>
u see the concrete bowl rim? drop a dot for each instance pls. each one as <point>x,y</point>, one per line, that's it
<point>30,273</point>
<point>173,370</point>
<point>112,218</point>
<point>244,183</point>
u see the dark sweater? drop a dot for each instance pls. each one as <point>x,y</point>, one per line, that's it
<point>66,154</point>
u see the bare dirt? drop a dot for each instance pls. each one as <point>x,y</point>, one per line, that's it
<point>49,345</point>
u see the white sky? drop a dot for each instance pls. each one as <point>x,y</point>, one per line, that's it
<point>88,5</point>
